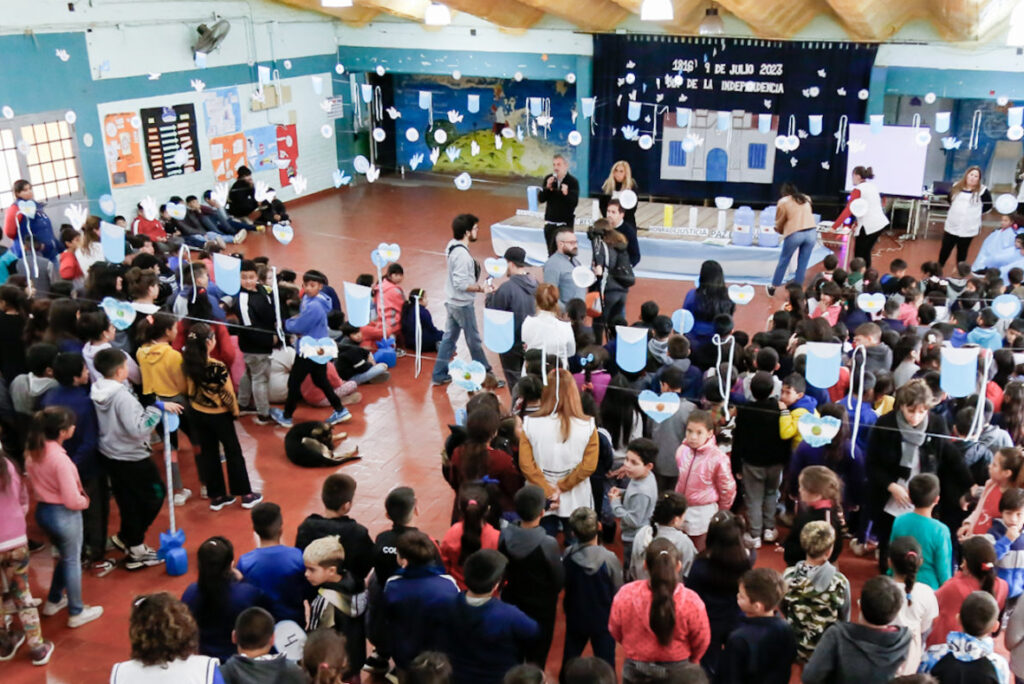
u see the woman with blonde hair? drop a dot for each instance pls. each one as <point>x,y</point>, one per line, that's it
<point>90,251</point>
<point>545,329</point>
<point>969,199</point>
<point>558,450</point>
<point>620,179</point>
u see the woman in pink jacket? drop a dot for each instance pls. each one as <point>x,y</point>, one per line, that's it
<point>662,625</point>
<point>14,568</point>
<point>705,476</point>
<point>60,502</point>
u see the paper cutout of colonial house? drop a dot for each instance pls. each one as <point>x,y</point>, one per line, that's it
<point>740,154</point>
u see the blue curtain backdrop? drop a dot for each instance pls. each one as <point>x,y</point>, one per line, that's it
<point>756,76</point>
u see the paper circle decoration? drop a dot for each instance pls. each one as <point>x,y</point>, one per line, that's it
<point>379,134</point>
<point>1015,132</point>
<point>930,98</point>
<point>570,77</point>
<point>8,112</point>
<point>287,64</point>
<point>583,276</point>
<point>411,134</point>
<point>70,116</point>
<point>339,69</point>
<point>724,203</point>
<point>863,93</point>
<point>1006,203</point>
<point>361,164</point>
<point>794,142</point>
<point>380,70</point>
<point>326,130</point>
<point>1002,100</point>
<point>575,138</point>
<point>507,132</point>
<point>628,199</point>
<point>859,207</point>
<point>87,139</point>
<point>456,74</point>
<point>631,78</point>
<point>645,142</point>
<point>463,181</point>
<point>1006,306</point>
<point>688,144</point>
<point>440,136</point>
<point>923,137</point>
<point>136,121</point>
<point>518,76</point>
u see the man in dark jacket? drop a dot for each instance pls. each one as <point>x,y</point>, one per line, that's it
<point>561,192</point>
<point>617,219</point>
<point>242,202</point>
<point>255,310</point>
<point>516,295</point>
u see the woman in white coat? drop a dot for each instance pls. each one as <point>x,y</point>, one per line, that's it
<point>545,330</point>
<point>968,201</point>
<point>558,450</point>
<point>872,221</point>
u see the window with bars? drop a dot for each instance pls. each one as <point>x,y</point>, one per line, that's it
<point>41,149</point>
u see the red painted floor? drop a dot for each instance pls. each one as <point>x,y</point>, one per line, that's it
<point>399,426</point>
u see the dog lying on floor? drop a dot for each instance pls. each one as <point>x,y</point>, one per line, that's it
<point>312,445</point>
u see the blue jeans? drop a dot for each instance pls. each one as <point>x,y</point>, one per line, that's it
<point>803,241</point>
<point>64,528</point>
<point>460,318</point>
<point>366,376</point>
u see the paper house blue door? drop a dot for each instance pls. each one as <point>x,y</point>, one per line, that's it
<point>718,165</point>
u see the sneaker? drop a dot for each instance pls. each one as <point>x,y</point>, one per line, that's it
<point>142,557</point>
<point>859,549</point>
<point>278,416</point>
<point>375,664</point>
<point>35,546</point>
<point>384,377</point>
<point>262,420</point>
<point>41,654</point>
<point>399,353</point>
<point>221,502</point>
<point>771,534</point>
<point>240,236</point>
<point>115,542</point>
<point>247,411</point>
<point>771,290</point>
<point>441,383</point>
<point>250,500</point>
<point>501,383</point>
<point>181,496</point>
<point>102,568</point>
<point>751,542</point>
<point>342,416</point>
<point>50,608</point>
<point>350,399</point>
<point>88,614</point>
<point>10,648</point>
<point>203,494</point>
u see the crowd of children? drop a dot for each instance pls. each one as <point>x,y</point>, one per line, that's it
<point>752,454</point>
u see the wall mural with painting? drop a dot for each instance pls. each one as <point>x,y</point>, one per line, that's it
<point>976,127</point>
<point>484,126</point>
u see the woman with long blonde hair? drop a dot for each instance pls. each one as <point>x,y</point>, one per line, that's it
<point>620,179</point>
<point>969,199</point>
<point>558,449</point>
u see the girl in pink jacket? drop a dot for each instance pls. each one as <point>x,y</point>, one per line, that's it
<point>60,502</point>
<point>705,476</point>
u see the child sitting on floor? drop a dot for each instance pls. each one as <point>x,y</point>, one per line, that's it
<point>430,336</point>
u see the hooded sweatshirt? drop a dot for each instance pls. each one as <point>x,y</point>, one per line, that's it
<point>790,417</point>
<point>879,358</point>
<point>966,659</point>
<point>27,389</point>
<point>89,352</point>
<point>13,509</point>
<point>535,575</point>
<point>817,596</point>
<point>267,669</point>
<point>850,653</point>
<point>311,320</point>
<point>124,423</point>
<point>592,576</point>
<point>160,365</point>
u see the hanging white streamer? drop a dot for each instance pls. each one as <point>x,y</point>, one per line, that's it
<point>380,305</point>
<point>978,424</point>
<point>972,142</point>
<point>32,246</point>
<point>844,124</point>
<point>419,338</point>
<point>184,253</point>
<point>724,389</point>
<point>860,394</point>
<point>277,303</point>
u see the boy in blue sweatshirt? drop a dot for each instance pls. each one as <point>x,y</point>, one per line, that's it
<point>986,335</point>
<point>311,321</point>
<point>1006,537</point>
<point>762,648</point>
<point>274,568</point>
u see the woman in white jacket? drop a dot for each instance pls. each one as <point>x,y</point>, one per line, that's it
<point>968,201</point>
<point>545,330</point>
<point>870,223</point>
<point>558,450</point>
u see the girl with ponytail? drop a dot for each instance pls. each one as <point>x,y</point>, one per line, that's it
<point>471,534</point>
<point>666,523</point>
<point>977,573</point>
<point>921,607</point>
<point>661,624</point>
<point>475,460</point>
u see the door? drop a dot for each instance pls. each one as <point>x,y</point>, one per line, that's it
<point>718,165</point>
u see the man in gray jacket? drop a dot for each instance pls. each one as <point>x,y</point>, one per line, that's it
<point>516,295</point>
<point>559,266</point>
<point>460,289</point>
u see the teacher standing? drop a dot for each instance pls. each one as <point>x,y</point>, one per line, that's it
<point>871,223</point>
<point>968,200</point>
<point>795,222</point>
<point>561,193</point>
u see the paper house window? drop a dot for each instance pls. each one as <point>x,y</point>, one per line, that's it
<point>757,155</point>
<point>52,166</point>
<point>676,154</point>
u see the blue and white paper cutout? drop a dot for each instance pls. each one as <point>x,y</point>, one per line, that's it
<point>112,242</point>
<point>319,350</point>
<point>469,376</point>
<point>630,348</point>
<point>958,374</point>
<point>823,362</point>
<point>1006,306</point>
<point>357,304</point>
<point>227,273</point>
<point>121,314</point>
<point>818,431</point>
<point>499,330</point>
<point>682,321</point>
<point>659,407</point>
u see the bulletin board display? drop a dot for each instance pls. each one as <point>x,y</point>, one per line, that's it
<point>170,140</point>
<point>122,149</point>
<point>288,148</point>
<point>223,112</point>
<point>262,148</point>
<point>227,153</point>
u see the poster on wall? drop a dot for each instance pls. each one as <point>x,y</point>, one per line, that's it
<point>288,148</point>
<point>170,140</point>
<point>227,153</point>
<point>223,112</point>
<point>123,151</point>
<point>467,120</point>
<point>261,144</point>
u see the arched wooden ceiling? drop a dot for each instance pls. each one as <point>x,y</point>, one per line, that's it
<point>872,20</point>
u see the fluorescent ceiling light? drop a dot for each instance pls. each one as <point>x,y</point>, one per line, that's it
<point>335,3</point>
<point>712,24</point>
<point>437,15</point>
<point>656,10</point>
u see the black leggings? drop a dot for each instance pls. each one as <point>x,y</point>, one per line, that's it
<point>215,430</point>
<point>950,241</point>
<point>862,246</point>
<point>300,370</point>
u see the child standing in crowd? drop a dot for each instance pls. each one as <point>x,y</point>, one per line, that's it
<point>1006,536</point>
<point>635,505</point>
<point>936,562</point>
<point>275,569</point>
<point>921,607</point>
<point>705,476</point>
<point>977,572</point>
<point>338,603</point>
<point>820,494</point>
<point>61,501</point>
<point>255,310</point>
<point>212,411</point>
<point>666,523</point>
<point>762,648</point>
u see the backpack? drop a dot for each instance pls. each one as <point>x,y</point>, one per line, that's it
<point>476,264</point>
<point>623,271</point>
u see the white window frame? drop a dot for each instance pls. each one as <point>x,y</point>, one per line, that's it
<point>25,162</point>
